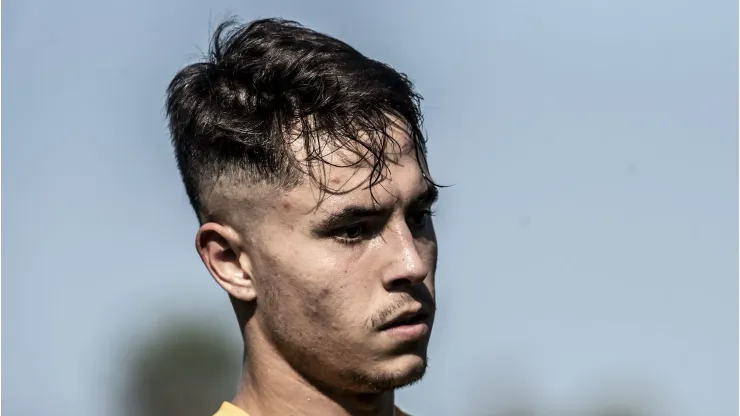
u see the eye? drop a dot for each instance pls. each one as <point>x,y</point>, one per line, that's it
<point>354,233</point>
<point>419,219</point>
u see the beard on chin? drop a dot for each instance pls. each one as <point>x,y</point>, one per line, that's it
<point>343,373</point>
<point>379,383</point>
<point>346,378</point>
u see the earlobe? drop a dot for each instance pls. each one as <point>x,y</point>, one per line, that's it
<point>221,250</point>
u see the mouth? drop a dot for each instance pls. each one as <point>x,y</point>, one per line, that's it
<point>410,326</point>
<point>410,318</point>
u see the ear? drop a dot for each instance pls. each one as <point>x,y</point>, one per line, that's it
<point>222,252</point>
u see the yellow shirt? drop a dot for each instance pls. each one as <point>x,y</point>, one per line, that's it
<point>228,409</point>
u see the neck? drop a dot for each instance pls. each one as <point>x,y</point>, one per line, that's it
<point>270,386</point>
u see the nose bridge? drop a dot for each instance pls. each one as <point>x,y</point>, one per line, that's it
<point>405,259</point>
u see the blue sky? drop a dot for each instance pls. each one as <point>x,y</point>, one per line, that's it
<point>589,245</point>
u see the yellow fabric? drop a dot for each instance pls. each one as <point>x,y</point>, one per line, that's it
<point>228,409</point>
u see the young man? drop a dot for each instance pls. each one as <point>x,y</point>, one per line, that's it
<point>305,163</point>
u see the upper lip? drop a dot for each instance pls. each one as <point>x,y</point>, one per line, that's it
<point>408,315</point>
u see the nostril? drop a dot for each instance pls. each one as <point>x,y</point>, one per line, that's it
<point>401,282</point>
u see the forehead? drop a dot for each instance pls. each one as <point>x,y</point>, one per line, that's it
<point>354,174</point>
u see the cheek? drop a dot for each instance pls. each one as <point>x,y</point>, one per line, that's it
<point>334,301</point>
<point>429,252</point>
<point>311,290</point>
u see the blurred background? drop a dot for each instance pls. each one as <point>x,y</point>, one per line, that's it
<point>589,245</point>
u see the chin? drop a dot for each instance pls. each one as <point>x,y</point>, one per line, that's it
<point>399,372</point>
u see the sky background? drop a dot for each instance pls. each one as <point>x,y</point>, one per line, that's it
<point>589,245</point>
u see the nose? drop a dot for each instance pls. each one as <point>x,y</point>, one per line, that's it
<point>405,265</point>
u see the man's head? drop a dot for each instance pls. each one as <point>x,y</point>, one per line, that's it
<point>305,163</point>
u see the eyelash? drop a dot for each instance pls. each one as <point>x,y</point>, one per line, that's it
<point>428,213</point>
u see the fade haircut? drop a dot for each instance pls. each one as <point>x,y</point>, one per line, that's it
<point>267,85</point>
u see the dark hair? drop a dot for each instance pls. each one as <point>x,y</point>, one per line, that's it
<point>264,85</point>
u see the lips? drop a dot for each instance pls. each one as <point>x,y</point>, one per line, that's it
<point>406,318</point>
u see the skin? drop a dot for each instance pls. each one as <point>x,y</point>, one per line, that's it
<point>312,282</point>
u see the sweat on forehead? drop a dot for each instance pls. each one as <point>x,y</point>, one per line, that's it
<point>333,161</point>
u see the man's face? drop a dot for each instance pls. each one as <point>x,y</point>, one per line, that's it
<point>331,279</point>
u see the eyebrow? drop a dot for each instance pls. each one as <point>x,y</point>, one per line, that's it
<point>353,213</point>
<point>428,197</point>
